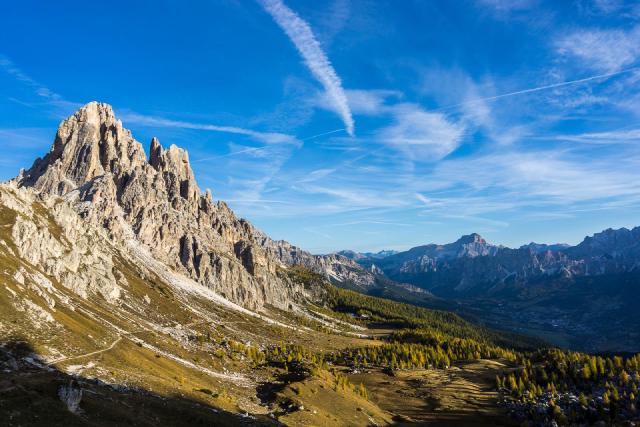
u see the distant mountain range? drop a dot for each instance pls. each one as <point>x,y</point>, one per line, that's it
<point>546,287</point>
<point>471,265</point>
<point>362,255</point>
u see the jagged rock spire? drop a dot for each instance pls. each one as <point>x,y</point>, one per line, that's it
<point>89,144</point>
<point>97,163</point>
<point>176,170</point>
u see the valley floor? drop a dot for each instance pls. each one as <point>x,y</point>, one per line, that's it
<point>463,395</point>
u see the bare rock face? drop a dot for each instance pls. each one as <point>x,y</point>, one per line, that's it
<point>88,144</point>
<point>74,254</point>
<point>98,166</point>
<point>335,267</point>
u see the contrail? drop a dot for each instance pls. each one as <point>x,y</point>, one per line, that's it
<point>323,134</point>
<point>299,31</point>
<point>246,150</point>
<point>537,89</point>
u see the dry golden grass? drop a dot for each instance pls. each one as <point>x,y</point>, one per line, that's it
<point>326,404</point>
<point>151,341</point>
<point>460,396</point>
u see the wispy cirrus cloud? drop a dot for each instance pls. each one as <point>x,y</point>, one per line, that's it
<point>251,173</point>
<point>621,136</point>
<point>502,6</point>
<point>372,102</point>
<point>621,8</point>
<point>608,6</point>
<point>9,67</point>
<point>254,151</point>
<point>422,135</point>
<point>419,134</point>
<point>480,100</point>
<point>542,177</point>
<point>607,50</point>
<point>300,33</point>
<point>41,91</point>
<point>266,137</point>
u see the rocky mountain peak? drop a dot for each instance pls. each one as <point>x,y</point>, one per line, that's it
<point>176,171</point>
<point>471,238</point>
<point>155,152</point>
<point>474,245</point>
<point>97,165</point>
<point>543,247</point>
<point>90,143</point>
<point>615,242</point>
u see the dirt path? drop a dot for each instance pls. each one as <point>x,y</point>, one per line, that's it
<point>238,379</point>
<point>93,353</point>
<point>460,396</point>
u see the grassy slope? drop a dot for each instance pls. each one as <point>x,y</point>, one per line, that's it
<point>160,351</point>
<point>173,348</point>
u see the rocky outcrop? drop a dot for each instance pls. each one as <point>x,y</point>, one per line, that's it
<point>99,167</point>
<point>51,237</point>
<point>89,144</point>
<point>335,267</point>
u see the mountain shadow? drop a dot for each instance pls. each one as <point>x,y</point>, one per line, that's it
<point>35,394</point>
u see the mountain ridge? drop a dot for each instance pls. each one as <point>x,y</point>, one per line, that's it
<point>607,251</point>
<point>97,165</point>
<point>541,288</point>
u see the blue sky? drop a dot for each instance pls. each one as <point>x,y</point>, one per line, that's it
<point>355,124</point>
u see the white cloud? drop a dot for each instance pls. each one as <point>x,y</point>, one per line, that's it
<point>608,6</point>
<point>266,137</point>
<point>507,5</point>
<point>621,8</point>
<point>539,178</point>
<point>623,136</point>
<point>317,175</point>
<point>251,173</point>
<point>493,184</point>
<point>333,20</point>
<point>318,135</point>
<point>236,150</point>
<point>423,199</point>
<point>604,50</point>
<point>483,100</point>
<point>9,67</point>
<point>316,60</point>
<point>43,92</point>
<point>422,135</point>
<point>351,196</point>
<point>372,102</point>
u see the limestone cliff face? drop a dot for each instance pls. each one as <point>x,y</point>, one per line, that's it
<point>335,267</point>
<point>51,238</point>
<point>89,144</point>
<point>99,167</point>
